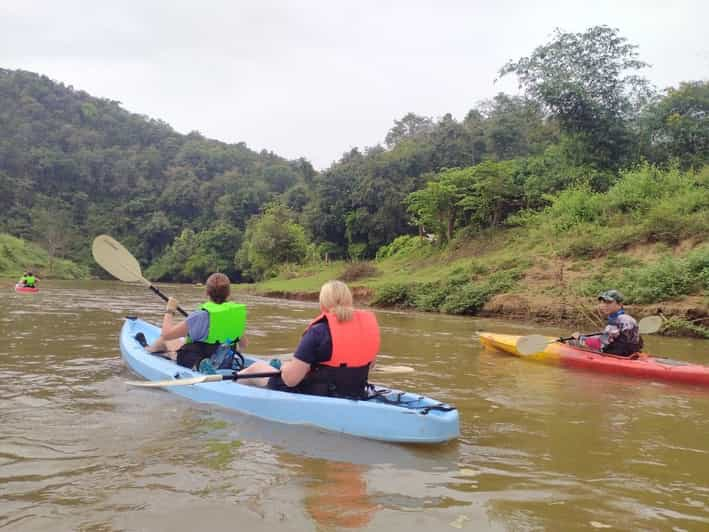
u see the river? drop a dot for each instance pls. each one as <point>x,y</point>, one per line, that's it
<point>541,448</point>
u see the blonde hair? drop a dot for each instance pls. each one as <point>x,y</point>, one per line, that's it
<point>335,297</point>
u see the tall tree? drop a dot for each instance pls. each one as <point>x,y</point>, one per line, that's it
<point>677,126</point>
<point>410,126</point>
<point>589,82</point>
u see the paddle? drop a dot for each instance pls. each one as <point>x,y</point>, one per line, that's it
<point>118,261</point>
<point>204,378</point>
<point>535,343</point>
<point>236,377</point>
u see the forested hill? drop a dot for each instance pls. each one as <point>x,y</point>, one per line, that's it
<point>73,166</point>
<point>589,142</point>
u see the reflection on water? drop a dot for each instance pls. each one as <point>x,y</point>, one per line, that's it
<point>541,447</point>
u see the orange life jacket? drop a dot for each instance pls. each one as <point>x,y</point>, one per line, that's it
<point>355,343</point>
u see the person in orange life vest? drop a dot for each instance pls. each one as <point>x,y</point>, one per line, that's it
<point>173,337</point>
<point>335,353</point>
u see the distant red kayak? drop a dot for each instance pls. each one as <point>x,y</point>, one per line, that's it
<point>26,289</point>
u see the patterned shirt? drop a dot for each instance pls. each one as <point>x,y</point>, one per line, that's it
<point>621,326</point>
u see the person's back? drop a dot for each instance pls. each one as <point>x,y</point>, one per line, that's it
<point>28,280</point>
<point>334,354</point>
<point>214,323</point>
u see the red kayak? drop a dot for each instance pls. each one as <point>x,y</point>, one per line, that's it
<point>26,289</point>
<point>642,365</point>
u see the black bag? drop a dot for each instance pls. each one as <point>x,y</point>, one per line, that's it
<point>190,355</point>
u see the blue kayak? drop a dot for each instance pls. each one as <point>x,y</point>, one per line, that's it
<point>389,415</point>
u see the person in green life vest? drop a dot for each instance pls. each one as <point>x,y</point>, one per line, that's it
<point>28,280</point>
<point>196,338</point>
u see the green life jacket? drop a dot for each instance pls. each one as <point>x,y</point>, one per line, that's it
<point>226,320</point>
<point>29,280</point>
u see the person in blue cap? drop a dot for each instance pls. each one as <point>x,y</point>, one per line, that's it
<point>621,335</point>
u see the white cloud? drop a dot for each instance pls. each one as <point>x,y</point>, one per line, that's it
<point>316,78</point>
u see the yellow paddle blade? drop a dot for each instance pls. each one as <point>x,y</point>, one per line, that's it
<point>650,324</point>
<point>117,260</point>
<point>532,344</point>
<point>176,382</point>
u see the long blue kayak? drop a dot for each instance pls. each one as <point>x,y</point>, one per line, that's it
<point>388,415</point>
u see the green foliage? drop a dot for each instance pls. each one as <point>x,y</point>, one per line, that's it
<point>646,204</point>
<point>668,278</point>
<point>17,255</point>
<point>194,256</point>
<point>271,239</point>
<point>676,326</point>
<point>395,295</point>
<point>469,299</point>
<point>404,246</point>
<point>587,81</point>
<point>464,291</point>
<point>73,166</point>
<point>676,127</point>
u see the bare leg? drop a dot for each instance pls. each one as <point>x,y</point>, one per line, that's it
<point>170,347</point>
<point>257,367</point>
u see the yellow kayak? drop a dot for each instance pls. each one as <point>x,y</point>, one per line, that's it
<point>640,365</point>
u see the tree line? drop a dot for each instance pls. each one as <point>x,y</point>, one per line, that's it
<point>73,166</point>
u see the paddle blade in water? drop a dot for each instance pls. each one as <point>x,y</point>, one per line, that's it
<point>650,324</point>
<point>116,260</point>
<point>534,343</point>
<point>175,382</point>
<point>393,369</point>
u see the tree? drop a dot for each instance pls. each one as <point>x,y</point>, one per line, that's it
<point>271,239</point>
<point>409,126</point>
<point>677,125</point>
<point>588,82</point>
<point>436,207</point>
<point>54,228</point>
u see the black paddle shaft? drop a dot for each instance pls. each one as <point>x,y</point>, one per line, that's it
<point>566,339</point>
<point>165,298</point>
<point>236,376</point>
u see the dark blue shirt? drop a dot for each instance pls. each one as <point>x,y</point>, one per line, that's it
<point>315,345</point>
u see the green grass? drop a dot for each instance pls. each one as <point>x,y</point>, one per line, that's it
<point>17,255</point>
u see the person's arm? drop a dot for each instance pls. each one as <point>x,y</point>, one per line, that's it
<point>315,346</point>
<point>243,342</point>
<point>170,331</point>
<point>294,371</point>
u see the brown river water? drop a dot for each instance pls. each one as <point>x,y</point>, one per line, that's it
<point>541,448</point>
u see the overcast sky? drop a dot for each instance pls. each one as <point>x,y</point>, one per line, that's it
<point>315,78</point>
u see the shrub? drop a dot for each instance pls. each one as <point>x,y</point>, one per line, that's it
<point>396,294</point>
<point>403,246</point>
<point>358,270</point>
<point>430,296</point>
<point>470,298</point>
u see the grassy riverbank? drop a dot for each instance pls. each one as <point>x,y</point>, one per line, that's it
<point>17,255</point>
<point>647,236</point>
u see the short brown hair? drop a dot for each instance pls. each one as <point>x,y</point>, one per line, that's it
<point>218,287</point>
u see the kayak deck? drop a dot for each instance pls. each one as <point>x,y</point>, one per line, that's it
<point>390,415</point>
<point>643,366</point>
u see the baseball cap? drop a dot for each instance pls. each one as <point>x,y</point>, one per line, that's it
<point>611,295</point>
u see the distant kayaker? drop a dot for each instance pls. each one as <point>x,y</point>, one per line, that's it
<point>335,353</point>
<point>198,337</point>
<point>621,336</point>
<point>28,279</point>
